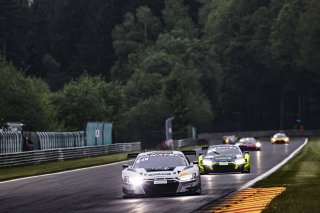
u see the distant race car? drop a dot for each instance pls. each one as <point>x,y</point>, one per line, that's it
<point>229,139</point>
<point>280,138</point>
<point>224,158</point>
<point>161,173</point>
<point>249,143</point>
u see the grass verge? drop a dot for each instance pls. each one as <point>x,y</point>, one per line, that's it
<point>8,173</point>
<point>301,177</point>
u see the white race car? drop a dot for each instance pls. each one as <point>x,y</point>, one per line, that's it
<point>161,173</point>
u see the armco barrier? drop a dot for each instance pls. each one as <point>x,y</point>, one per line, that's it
<point>34,157</point>
<point>10,142</point>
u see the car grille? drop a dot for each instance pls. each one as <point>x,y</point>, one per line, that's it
<point>280,141</point>
<point>226,168</point>
<point>169,188</point>
<point>218,168</point>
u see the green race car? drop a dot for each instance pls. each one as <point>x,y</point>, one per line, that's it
<point>224,158</point>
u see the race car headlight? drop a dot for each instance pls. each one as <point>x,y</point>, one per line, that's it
<point>184,176</point>
<point>273,139</point>
<point>258,144</point>
<point>286,139</point>
<point>207,162</point>
<point>240,161</point>
<point>134,180</point>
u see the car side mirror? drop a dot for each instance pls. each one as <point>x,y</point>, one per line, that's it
<point>124,166</point>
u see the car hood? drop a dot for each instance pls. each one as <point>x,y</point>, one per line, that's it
<point>155,173</point>
<point>246,144</point>
<point>223,158</point>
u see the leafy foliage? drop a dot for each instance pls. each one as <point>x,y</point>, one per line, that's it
<point>85,99</point>
<point>218,65</point>
<point>25,99</point>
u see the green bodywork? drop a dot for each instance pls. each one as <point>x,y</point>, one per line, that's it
<point>246,165</point>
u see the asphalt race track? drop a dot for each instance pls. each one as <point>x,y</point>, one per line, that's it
<point>99,189</point>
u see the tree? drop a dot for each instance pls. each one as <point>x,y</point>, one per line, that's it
<point>131,38</point>
<point>14,25</point>
<point>308,37</point>
<point>176,19</point>
<point>309,56</point>
<point>83,100</point>
<point>25,99</point>
<point>187,103</point>
<point>145,122</point>
<point>285,50</point>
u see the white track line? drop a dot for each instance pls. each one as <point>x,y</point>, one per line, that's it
<point>266,174</point>
<point>63,172</point>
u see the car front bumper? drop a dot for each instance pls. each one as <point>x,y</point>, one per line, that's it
<point>173,186</point>
<point>215,167</point>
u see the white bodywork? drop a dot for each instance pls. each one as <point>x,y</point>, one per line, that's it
<point>164,180</point>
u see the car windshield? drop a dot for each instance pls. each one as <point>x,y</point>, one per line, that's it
<point>222,150</point>
<point>160,161</point>
<point>280,135</point>
<point>247,140</point>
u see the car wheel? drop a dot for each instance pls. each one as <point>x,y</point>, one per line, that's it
<point>246,171</point>
<point>198,192</point>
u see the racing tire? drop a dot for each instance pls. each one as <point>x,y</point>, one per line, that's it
<point>128,196</point>
<point>198,192</point>
<point>246,171</point>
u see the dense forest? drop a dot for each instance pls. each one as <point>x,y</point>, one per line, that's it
<point>217,65</point>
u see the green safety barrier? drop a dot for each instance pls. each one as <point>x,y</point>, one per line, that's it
<point>98,133</point>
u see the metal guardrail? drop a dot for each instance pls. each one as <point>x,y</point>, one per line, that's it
<point>10,141</point>
<point>35,157</point>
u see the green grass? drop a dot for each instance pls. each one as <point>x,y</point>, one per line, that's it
<point>301,177</point>
<point>8,173</point>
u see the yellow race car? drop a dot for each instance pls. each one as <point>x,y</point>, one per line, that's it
<point>280,138</point>
<point>223,158</point>
<point>229,139</point>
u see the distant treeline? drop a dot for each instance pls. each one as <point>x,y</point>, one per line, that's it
<point>218,65</point>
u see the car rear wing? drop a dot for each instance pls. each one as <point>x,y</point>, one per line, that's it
<point>132,155</point>
<point>189,152</point>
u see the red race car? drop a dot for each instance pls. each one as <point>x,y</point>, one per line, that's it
<point>249,143</point>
